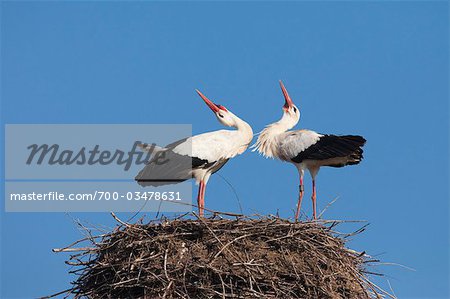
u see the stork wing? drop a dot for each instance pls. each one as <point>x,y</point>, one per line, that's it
<point>211,146</point>
<point>293,143</point>
<point>167,167</point>
<point>332,146</point>
<point>208,150</point>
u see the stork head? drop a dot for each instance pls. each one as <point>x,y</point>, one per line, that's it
<point>291,114</point>
<point>224,116</point>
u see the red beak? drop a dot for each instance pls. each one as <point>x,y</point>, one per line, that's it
<point>210,104</point>
<point>288,102</point>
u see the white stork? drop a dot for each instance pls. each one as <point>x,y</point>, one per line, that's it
<point>206,154</point>
<point>306,149</point>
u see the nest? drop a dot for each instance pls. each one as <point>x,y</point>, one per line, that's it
<point>220,258</point>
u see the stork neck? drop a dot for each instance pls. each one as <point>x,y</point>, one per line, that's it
<point>242,126</point>
<point>285,123</point>
<point>268,138</point>
<point>278,127</point>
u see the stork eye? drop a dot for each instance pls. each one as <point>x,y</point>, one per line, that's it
<point>295,110</point>
<point>221,115</point>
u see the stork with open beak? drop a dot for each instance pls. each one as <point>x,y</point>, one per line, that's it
<point>306,149</point>
<point>208,152</point>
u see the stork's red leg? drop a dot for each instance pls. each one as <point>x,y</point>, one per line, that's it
<point>300,197</point>
<point>313,197</point>
<point>199,199</point>
<point>202,203</point>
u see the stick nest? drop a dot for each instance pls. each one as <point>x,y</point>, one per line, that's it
<point>220,258</point>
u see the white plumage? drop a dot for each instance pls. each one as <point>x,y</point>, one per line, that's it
<point>201,155</point>
<point>306,149</point>
<point>216,145</point>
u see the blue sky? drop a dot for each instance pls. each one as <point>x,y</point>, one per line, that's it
<point>379,69</point>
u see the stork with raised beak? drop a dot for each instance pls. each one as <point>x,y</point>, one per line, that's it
<point>306,149</point>
<point>207,153</point>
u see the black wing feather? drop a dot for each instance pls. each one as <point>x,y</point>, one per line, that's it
<point>332,146</point>
<point>176,167</point>
<point>171,169</point>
